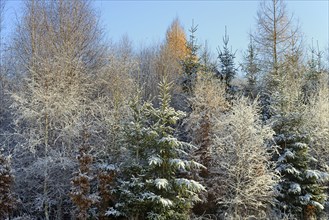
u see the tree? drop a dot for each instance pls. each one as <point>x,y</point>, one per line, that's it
<point>207,64</point>
<point>316,123</point>
<point>300,189</point>
<point>3,81</point>
<point>274,30</point>
<point>155,183</point>
<point>226,61</point>
<point>80,193</point>
<point>241,173</point>
<point>7,200</point>
<point>313,73</point>
<point>59,51</point>
<point>251,67</point>
<point>172,52</point>
<point>176,41</point>
<point>191,63</point>
<point>208,101</point>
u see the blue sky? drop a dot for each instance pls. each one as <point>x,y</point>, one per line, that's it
<point>145,22</point>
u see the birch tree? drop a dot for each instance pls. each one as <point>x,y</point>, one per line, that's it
<point>59,51</point>
<point>241,174</point>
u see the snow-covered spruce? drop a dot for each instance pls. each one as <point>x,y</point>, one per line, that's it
<point>301,189</point>
<point>155,181</point>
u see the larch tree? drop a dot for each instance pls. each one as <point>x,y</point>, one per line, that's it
<point>316,122</point>
<point>176,40</point>
<point>171,54</point>
<point>207,61</point>
<point>208,101</point>
<point>313,73</point>
<point>274,30</point>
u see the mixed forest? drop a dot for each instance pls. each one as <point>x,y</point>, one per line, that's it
<point>94,129</point>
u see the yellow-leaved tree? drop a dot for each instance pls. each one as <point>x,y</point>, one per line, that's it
<point>172,52</point>
<point>176,40</point>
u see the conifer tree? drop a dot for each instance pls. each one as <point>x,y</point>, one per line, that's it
<point>226,60</point>
<point>7,200</point>
<point>191,63</point>
<point>172,53</point>
<point>301,188</point>
<point>81,194</point>
<point>106,182</point>
<point>313,73</point>
<point>176,41</point>
<point>154,182</point>
<point>274,30</point>
<point>251,67</point>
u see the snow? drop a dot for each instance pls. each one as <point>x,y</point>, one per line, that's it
<point>113,212</point>
<point>190,184</point>
<point>317,204</point>
<point>178,162</point>
<point>318,175</point>
<point>287,154</point>
<point>165,202</point>
<point>155,160</point>
<point>149,196</point>
<point>295,188</point>
<point>108,167</point>
<point>161,183</point>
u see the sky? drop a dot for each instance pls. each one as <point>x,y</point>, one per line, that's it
<point>146,22</point>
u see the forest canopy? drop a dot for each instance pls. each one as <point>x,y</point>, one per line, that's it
<point>96,129</point>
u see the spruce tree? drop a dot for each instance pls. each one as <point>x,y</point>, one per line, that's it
<point>226,59</point>
<point>251,67</point>
<point>191,63</point>
<point>301,190</point>
<point>155,181</point>
<point>313,74</point>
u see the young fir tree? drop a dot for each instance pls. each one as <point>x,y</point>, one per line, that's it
<point>226,60</point>
<point>191,63</point>
<point>7,200</point>
<point>154,182</point>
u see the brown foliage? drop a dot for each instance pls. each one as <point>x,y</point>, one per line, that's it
<point>7,200</point>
